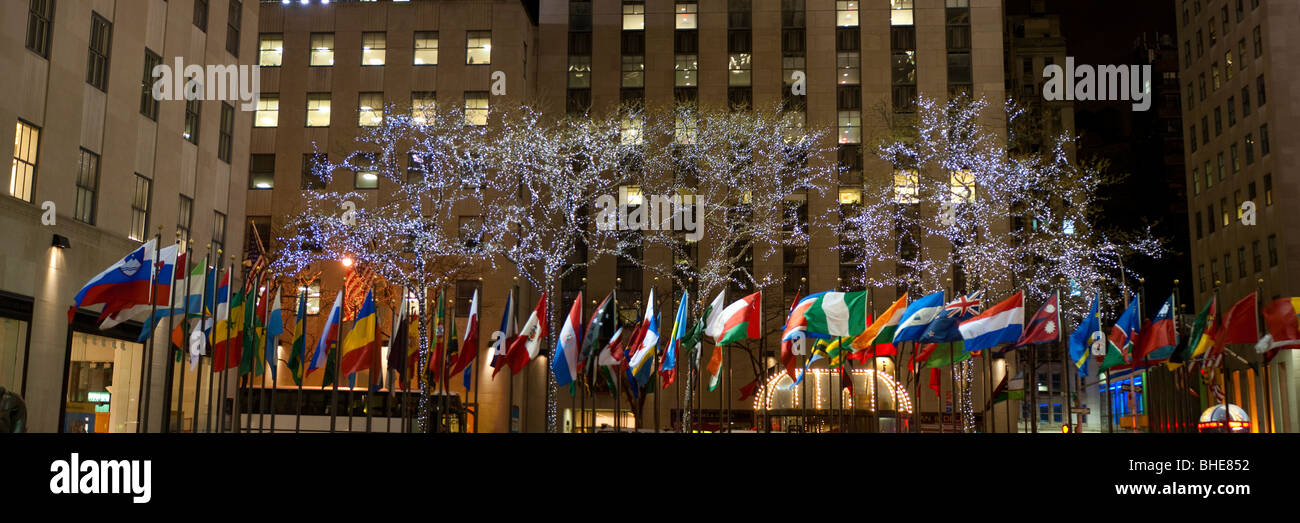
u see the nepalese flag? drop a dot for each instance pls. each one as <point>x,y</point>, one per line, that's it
<point>564,364</point>
<point>917,317</point>
<point>1045,326</point>
<point>122,285</point>
<point>1002,323</point>
<point>944,327</point>
<point>668,370</point>
<point>1158,337</point>
<point>1119,346</point>
<point>164,274</point>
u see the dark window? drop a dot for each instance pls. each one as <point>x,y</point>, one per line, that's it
<point>846,39</point>
<point>1241,262</point>
<point>1268,189</point>
<point>140,199</point>
<point>40,16</point>
<point>101,37</point>
<point>184,217</point>
<point>313,175</point>
<point>233,21</point>
<point>465,290</point>
<point>577,101</point>
<point>1259,43</point>
<point>218,231</point>
<point>261,171</point>
<point>1245,101</point>
<point>686,41</point>
<point>1272,250</point>
<point>87,186</point>
<point>740,98</point>
<point>470,230</point>
<point>149,104</point>
<point>1209,213</point>
<point>1232,111</point>
<point>579,15</point>
<point>1199,227</point>
<point>201,15</point>
<point>1261,96</point>
<point>1263,140</point>
<point>1256,257</point>
<point>227,132</point>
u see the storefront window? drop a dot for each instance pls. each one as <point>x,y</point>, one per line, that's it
<point>13,341</point>
<point>103,385</point>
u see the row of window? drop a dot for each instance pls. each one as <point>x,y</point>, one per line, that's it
<point>1226,213</point>
<point>1248,142</point>
<point>1261,98</point>
<point>1192,8</point>
<point>370,109</point>
<point>1256,262</point>
<point>86,199</point>
<point>1214,40</point>
<point>374,49</point>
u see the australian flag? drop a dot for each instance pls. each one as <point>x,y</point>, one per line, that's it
<point>944,327</point>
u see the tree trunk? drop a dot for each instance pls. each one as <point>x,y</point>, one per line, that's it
<point>552,387</point>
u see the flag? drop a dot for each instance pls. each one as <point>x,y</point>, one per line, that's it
<point>599,329</point>
<point>935,377</point>
<point>882,330</point>
<point>168,291</point>
<point>748,390</point>
<point>1045,326</point>
<point>529,342</point>
<point>122,285</point>
<point>1241,325</point>
<point>452,351</point>
<point>362,340</point>
<point>1158,338</point>
<point>837,314</point>
<point>221,334</point>
<point>647,346</point>
<point>944,327</point>
<point>1119,346</point>
<point>234,343</point>
<point>831,350</point>
<point>1283,322</point>
<point>298,352</point>
<point>400,343</point>
<point>1002,323</point>
<point>710,319</point>
<point>274,328</point>
<point>164,268</point>
<point>935,356</point>
<point>740,320</point>
<point>1086,338</point>
<point>502,338</point>
<point>794,335</point>
<point>668,371</point>
<point>565,364</point>
<point>251,324</point>
<point>917,316</point>
<point>469,349</point>
<point>436,365</point>
<point>1185,354</point>
<point>329,336</point>
<point>193,303</point>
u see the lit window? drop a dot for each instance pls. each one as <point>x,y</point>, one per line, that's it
<point>633,71</point>
<point>370,109</point>
<point>140,208</point>
<point>684,15</point>
<point>631,131</point>
<point>962,185</point>
<point>478,47</point>
<point>426,48</point>
<point>686,68</point>
<point>900,12</point>
<point>270,50</point>
<point>424,107</point>
<point>372,48</point>
<point>906,186</point>
<point>318,110</point>
<point>633,17</point>
<point>739,70</point>
<point>367,174</point>
<point>322,49</point>
<point>268,111</point>
<point>1227,65</point>
<point>850,195</point>
<point>476,108</point>
<point>22,176</point>
<point>850,124</point>
<point>261,171</point>
<point>87,187</point>
<point>579,72</point>
<point>313,299</point>
<point>848,68</point>
<point>631,196</point>
<point>846,14</point>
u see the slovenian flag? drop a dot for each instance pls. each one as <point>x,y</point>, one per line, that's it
<point>565,363</point>
<point>1002,323</point>
<point>917,317</point>
<point>165,272</point>
<point>122,285</point>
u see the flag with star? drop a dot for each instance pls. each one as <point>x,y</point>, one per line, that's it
<point>1045,326</point>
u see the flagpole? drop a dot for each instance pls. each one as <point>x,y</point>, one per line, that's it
<point>211,336</point>
<point>250,308</point>
<point>171,293</point>
<point>198,369</point>
<point>334,394</point>
<point>146,349</point>
<point>180,390</point>
<point>225,371</point>
<point>261,394</point>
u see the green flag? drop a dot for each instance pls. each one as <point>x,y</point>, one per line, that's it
<point>941,357</point>
<point>1184,353</point>
<point>297,355</point>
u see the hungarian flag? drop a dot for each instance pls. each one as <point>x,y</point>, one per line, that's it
<point>882,330</point>
<point>1045,326</point>
<point>1159,338</point>
<point>1241,325</point>
<point>1203,321</point>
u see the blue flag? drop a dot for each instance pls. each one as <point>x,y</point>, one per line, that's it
<point>1086,338</point>
<point>944,327</point>
<point>917,317</point>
